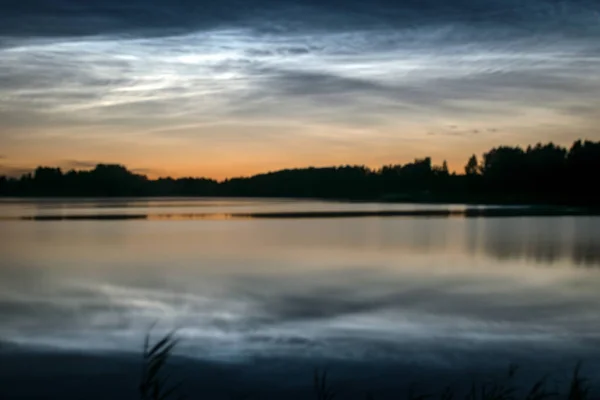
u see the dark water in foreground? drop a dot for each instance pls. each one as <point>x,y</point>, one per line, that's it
<point>259,302</point>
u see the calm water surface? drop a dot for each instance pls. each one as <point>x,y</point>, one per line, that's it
<point>428,290</point>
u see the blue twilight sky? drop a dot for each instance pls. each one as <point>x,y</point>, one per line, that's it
<point>236,87</point>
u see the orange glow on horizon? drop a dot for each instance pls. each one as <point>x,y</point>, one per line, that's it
<point>196,157</point>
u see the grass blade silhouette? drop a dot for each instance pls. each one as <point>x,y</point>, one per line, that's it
<point>154,383</point>
<point>322,389</point>
<point>578,389</point>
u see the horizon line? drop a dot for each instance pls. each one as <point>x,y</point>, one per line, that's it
<point>156,174</point>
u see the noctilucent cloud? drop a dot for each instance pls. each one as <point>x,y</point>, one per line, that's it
<point>233,87</point>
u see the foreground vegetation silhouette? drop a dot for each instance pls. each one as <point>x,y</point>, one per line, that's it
<point>544,173</point>
<point>155,383</point>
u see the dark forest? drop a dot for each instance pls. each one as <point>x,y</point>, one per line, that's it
<point>540,174</point>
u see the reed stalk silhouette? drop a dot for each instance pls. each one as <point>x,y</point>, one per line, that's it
<point>154,381</point>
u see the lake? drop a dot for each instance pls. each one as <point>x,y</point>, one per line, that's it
<point>343,285</point>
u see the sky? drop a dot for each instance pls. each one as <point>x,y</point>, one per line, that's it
<point>230,87</point>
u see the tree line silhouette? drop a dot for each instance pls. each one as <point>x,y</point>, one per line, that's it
<point>544,173</point>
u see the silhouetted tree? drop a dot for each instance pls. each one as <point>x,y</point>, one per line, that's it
<point>583,168</point>
<point>472,167</point>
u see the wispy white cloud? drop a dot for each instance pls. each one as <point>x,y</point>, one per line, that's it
<point>209,76</point>
<point>328,75</point>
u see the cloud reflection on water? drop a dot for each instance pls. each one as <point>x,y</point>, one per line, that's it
<point>432,290</point>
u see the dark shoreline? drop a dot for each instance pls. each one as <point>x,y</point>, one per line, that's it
<point>494,212</point>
